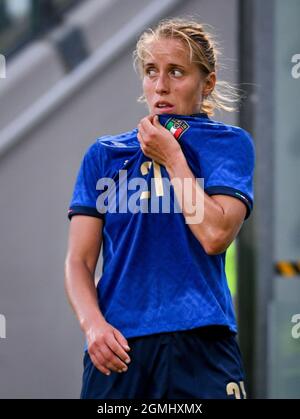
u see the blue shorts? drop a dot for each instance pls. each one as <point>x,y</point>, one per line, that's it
<point>200,363</point>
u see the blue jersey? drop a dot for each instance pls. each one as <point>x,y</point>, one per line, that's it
<point>156,275</point>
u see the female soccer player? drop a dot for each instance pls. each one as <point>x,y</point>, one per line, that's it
<point>166,199</point>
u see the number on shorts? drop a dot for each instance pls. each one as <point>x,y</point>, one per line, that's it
<point>235,389</point>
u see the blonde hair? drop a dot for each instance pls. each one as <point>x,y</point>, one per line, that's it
<point>202,51</point>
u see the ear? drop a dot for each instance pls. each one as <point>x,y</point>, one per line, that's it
<point>209,84</point>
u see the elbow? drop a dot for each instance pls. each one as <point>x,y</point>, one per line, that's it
<point>213,249</point>
<point>216,244</point>
<point>76,263</point>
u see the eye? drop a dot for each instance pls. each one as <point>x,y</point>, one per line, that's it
<point>150,71</point>
<point>176,72</point>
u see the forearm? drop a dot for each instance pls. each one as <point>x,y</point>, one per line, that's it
<point>82,294</point>
<point>207,225</point>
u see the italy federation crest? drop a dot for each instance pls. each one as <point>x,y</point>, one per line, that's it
<point>177,127</point>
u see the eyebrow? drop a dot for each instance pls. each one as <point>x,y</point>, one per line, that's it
<point>149,64</point>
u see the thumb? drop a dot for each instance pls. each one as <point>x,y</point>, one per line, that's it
<point>156,120</point>
<point>121,339</point>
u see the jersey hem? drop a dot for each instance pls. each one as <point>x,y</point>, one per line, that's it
<point>83,210</point>
<point>236,193</point>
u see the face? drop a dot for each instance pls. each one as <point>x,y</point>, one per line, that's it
<point>171,83</point>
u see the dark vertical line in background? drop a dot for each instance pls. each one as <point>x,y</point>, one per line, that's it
<point>246,251</point>
<point>255,245</point>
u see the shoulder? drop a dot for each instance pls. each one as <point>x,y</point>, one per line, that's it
<point>213,131</point>
<point>227,129</point>
<point>126,139</point>
<point>109,145</point>
<point>231,137</point>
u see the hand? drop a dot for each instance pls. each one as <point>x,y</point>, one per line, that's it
<point>157,142</point>
<point>106,347</point>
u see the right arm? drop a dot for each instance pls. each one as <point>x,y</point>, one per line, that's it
<point>105,343</point>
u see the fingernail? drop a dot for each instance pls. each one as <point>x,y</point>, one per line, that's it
<point>127,360</point>
<point>127,347</point>
<point>108,373</point>
<point>124,369</point>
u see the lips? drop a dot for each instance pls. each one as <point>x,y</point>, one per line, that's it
<point>164,106</point>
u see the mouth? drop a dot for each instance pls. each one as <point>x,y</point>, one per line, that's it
<point>162,106</point>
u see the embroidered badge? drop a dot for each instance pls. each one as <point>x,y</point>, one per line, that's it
<point>177,127</point>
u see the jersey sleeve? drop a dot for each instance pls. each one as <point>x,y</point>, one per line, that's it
<point>85,194</point>
<point>232,161</point>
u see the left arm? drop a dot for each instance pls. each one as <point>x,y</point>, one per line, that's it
<point>222,215</point>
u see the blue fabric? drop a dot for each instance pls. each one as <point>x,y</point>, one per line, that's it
<point>156,275</point>
<point>202,363</point>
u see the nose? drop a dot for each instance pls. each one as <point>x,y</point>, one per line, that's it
<point>162,84</point>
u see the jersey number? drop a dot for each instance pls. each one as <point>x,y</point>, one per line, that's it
<point>158,183</point>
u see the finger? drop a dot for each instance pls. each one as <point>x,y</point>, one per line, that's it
<point>146,128</point>
<point>156,122</point>
<point>150,118</point>
<point>161,127</point>
<point>112,367</point>
<point>140,138</point>
<point>112,361</point>
<point>142,142</point>
<point>121,339</point>
<point>146,124</point>
<point>141,130</point>
<point>147,118</point>
<point>98,361</point>
<point>117,347</point>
